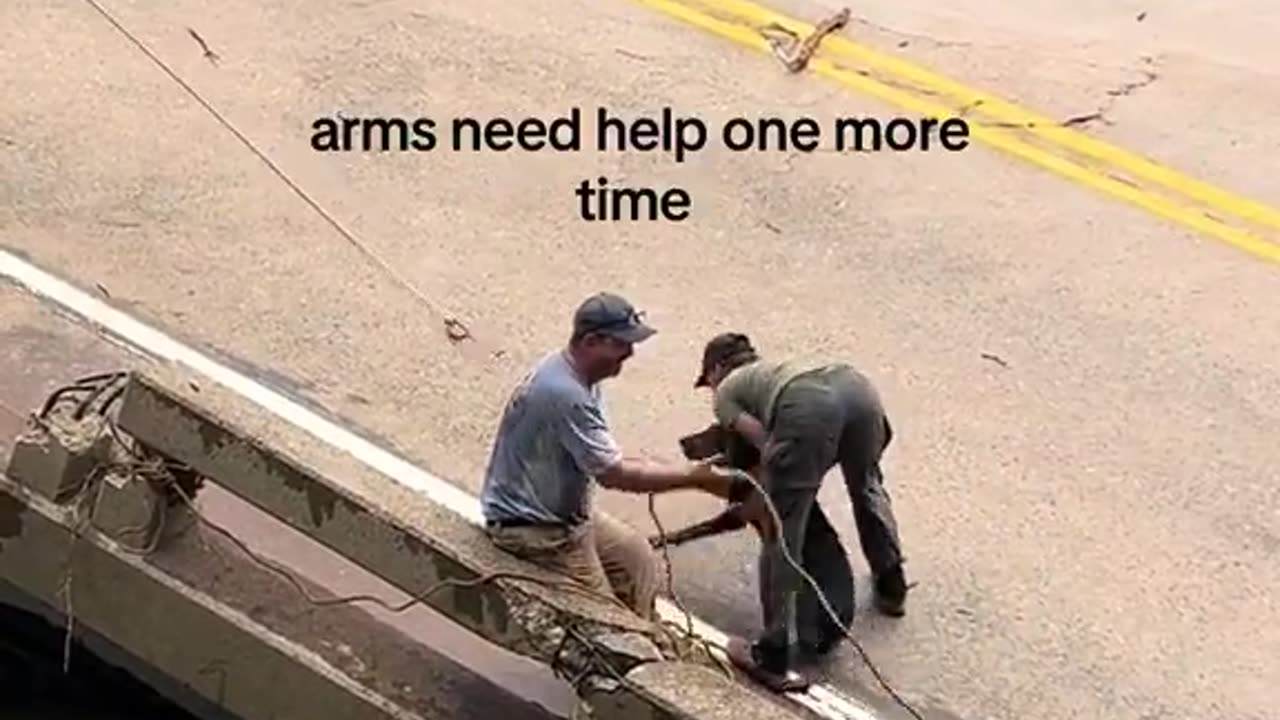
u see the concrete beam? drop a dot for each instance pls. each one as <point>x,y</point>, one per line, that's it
<point>226,659</point>
<point>377,522</point>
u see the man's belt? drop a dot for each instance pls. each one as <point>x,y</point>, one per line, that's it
<point>526,522</point>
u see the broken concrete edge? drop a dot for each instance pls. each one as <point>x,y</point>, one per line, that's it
<point>63,458</point>
<point>391,530</point>
<point>55,455</point>
<point>409,661</point>
<point>198,643</point>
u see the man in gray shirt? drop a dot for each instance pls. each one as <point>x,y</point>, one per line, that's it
<point>553,445</point>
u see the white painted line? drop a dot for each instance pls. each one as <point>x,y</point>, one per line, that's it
<point>821,699</point>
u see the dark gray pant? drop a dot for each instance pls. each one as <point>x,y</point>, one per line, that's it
<point>823,557</point>
<point>821,419</point>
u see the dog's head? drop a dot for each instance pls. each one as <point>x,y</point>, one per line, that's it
<point>704,443</point>
<point>716,440</point>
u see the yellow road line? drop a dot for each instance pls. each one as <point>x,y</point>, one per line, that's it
<point>1242,222</point>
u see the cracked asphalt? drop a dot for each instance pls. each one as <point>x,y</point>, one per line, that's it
<point>1084,469</point>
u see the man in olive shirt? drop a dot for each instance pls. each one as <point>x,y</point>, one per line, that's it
<point>805,419</point>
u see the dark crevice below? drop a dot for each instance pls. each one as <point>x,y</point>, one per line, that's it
<point>34,687</point>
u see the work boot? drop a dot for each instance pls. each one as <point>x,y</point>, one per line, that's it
<point>891,592</point>
<point>770,672</point>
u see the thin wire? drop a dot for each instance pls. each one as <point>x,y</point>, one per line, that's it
<point>15,412</point>
<point>451,322</point>
<point>81,521</point>
<point>414,600</point>
<point>688,630</point>
<point>570,628</point>
<point>599,659</point>
<point>666,558</point>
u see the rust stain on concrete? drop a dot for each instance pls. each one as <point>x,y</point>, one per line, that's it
<point>322,501</point>
<point>472,600</point>
<point>469,599</point>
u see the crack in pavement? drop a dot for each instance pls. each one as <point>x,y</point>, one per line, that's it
<point>1150,73</point>
<point>908,36</point>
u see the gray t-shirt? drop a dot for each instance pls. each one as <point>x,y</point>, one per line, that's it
<point>552,441</point>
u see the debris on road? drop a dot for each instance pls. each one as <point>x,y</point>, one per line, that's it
<point>794,53</point>
<point>1150,73</point>
<point>1083,119</point>
<point>995,359</point>
<point>456,331</point>
<point>209,55</point>
<point>633,55</point>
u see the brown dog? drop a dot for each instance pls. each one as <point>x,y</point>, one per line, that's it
<point>724,447</point>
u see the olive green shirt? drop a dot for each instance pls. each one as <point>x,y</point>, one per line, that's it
<point>753,388</point>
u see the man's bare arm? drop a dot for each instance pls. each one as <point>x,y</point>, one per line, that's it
<point>640,476</point>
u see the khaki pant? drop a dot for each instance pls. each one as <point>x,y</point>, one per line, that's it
<point>604,554</point>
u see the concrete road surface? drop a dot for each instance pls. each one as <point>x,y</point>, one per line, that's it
<point>1094,520</point>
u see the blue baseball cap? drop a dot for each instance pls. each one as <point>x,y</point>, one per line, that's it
<point>610,314</point>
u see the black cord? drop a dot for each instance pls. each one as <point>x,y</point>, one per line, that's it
<point>342,230</point>
<point>826,603</point>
